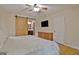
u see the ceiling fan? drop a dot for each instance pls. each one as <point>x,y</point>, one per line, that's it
<point>35,7</point>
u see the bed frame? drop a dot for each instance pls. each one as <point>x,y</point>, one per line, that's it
<point>46,35</point>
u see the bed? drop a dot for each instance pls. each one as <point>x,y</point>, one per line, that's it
<point>29,45</point>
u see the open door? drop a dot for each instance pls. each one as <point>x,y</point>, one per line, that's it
<point>21,26</point>
<point>59,29</point>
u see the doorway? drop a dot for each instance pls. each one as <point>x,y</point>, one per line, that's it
<point>59,29</point>
<point>31,27</point>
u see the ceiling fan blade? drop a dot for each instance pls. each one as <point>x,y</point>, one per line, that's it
<point>44,8</point>
<point>32,5</point>
<point>28,5</point>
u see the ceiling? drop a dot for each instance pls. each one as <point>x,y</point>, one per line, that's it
<point>16,9</point>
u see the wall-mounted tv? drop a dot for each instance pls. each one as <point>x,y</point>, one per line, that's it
<point>44,23</point>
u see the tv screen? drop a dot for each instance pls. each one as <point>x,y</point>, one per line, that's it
<point>44,23</point>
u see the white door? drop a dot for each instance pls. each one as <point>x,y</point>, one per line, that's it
<point>59,29</point>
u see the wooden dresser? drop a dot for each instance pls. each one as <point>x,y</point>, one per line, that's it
<point>46,35</point>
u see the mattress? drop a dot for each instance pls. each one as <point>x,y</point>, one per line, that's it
<point>29,45</point>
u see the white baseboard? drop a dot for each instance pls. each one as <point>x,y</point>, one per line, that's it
<point>75,47</point>
<point>66,44</point>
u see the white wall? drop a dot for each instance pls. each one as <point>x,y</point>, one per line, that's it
<point>71,25</point>
<point>7,26</point>
<point>44,29</point>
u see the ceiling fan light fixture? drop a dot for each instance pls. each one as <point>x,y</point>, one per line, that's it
<point>36,9</point>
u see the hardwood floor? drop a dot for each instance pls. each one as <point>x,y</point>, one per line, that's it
<point>65,50</point>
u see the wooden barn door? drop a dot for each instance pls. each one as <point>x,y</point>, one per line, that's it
<point>21,26</point>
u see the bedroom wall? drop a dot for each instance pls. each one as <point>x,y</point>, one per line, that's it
<point>6,26</point>
<point>44,29</point>
<point>71,25</point>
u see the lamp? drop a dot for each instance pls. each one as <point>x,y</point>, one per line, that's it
<point>29,22</point>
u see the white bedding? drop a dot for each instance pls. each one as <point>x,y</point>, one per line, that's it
<point>29,45</point>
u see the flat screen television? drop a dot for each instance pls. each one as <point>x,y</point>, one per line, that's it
<point>44,23</point>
